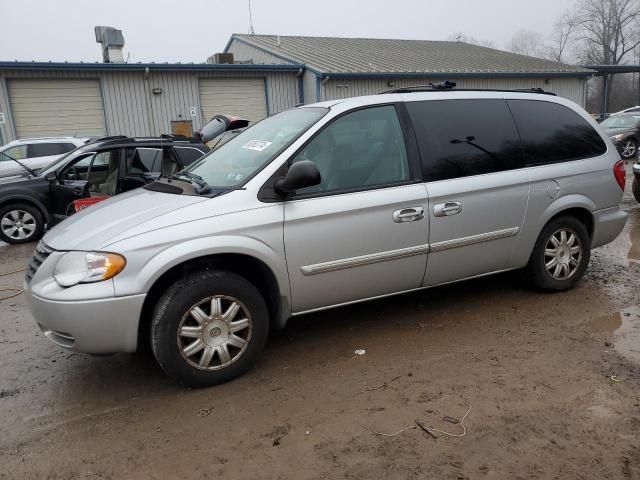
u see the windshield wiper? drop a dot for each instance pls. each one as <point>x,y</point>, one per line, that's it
<point>31,172</point>
<point>203,186</point>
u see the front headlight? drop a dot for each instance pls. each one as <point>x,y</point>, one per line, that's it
<point>617,138</point>
<point>87,267</point>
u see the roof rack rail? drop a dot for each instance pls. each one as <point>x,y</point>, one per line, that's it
<point>171,136</point>
<point>448,86</point>
<point>108,137</point>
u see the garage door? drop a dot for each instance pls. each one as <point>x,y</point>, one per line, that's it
<point>56,107</point>
<point>243,97</point>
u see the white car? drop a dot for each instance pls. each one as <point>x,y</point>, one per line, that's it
<point>35,153</point>
<point>635,110</point>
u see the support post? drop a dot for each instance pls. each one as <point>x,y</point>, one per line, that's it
<point>605,96</point>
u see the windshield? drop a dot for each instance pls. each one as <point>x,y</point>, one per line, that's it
<point>621,122</point>
<point>56,164</point>
<point>236,161</point>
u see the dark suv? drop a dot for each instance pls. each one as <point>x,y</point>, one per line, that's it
<point>103,168</point>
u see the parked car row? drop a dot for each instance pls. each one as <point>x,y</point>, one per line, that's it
<point>624,131</point>
<point>317,207</point>
<point>32,197</point>
<point>35,153</point>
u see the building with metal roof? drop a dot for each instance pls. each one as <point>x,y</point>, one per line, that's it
<point>343,67</point>
<point>264,74</point>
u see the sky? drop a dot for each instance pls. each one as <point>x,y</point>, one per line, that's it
<point>191,30</point>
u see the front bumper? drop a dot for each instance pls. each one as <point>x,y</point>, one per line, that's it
<point>106,325</point>
<point>636,171</point>
<point>607,225</point>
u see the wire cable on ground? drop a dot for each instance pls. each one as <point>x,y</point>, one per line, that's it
<point>430,429</point>
<point>17,291</point>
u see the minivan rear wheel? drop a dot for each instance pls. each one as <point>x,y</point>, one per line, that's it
<point>561,254</point>
<point>208,328</point>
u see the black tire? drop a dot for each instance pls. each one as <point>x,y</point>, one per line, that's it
<point>633,142</point>
<point>537,270</point>
<point>635,187</point>
<point>172,312</point>
<point>36,222</point>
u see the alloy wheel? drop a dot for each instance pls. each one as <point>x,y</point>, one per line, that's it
<point>18,224</point>
<point>214,333</point>
<point>563,254</point>
<point>629,149</point>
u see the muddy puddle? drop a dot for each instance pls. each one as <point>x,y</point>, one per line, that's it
<point>623,328</point>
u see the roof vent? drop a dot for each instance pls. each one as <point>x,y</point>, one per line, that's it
<point>112,42</point>
<point>220,58</point>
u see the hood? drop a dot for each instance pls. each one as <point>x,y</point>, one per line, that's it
<point>617,131</point>
<point>15,177</point>
<point>92,228</point>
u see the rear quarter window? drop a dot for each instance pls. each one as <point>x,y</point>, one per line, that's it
<point>553,133</point>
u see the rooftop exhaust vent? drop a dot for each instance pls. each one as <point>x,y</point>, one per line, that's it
<point>112,42</point>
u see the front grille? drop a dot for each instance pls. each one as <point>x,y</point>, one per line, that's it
<point>39,256</point>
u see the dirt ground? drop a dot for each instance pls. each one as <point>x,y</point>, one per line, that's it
<point>552,381</point>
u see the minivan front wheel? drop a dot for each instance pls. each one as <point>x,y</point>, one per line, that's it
<point>561,254</point>
<point>20,223</point>
<point>208,328</point>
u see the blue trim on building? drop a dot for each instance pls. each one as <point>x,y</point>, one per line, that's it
<point>266,96</point>
<point>204,67</point>
<point>454,75</point>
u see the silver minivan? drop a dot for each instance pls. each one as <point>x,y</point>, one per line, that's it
<point>326,205</point>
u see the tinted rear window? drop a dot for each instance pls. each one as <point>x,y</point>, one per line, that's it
<point>460,138</point>
<point>45,149</point>
<point>553,133</point>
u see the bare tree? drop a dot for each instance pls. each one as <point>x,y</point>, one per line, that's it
<point>527,42</point>
<point>461,37</point>
<point>606,30</point>
<point>563,33</point>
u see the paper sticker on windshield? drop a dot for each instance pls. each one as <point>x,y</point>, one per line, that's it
<point>257,145</point>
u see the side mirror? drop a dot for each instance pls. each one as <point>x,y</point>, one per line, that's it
<point>50,177</point>
<point>301,174</point>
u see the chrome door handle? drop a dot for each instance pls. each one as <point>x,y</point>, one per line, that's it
<point>447,209</point>
<point>410,214</point>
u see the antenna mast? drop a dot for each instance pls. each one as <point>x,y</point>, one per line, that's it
<point>251,31</point>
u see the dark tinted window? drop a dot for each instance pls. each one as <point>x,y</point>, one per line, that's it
<point>144,160</point>
<point>460,138</point>
<point>42,149</point>
<point>66,147</point>
<point>554,133</point>
<point>188,155</point>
